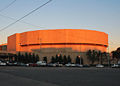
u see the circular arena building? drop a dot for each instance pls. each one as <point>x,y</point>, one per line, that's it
<point>58,41</point>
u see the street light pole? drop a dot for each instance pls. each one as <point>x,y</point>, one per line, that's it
<point>40,44</point>
<point>108,57</point>
<point>40,48</point>
<point>80,59</point>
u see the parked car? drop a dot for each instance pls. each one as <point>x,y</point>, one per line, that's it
<point>58,65</point>
<point>115,66</point>
<point>73,65</point>
<point>51,65</point>
<point>119,62</point>
<point>33,65</point>
<point>41,63</point>
<point>2,63</point>
<point>27,65</point>
<point>99,66</point>
<point>68,65</point>
<point>79,65</point>
<point>15,63</point>
<point>9,63</point>
<point>86,65</point>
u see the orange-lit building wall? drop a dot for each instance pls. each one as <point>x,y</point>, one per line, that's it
<point>77,39</point>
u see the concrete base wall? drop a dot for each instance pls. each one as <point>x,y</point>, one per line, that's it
<point>53,52</point>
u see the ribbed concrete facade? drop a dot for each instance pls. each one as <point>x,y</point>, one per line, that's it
<point>65,41</point>
<point>77,39</point>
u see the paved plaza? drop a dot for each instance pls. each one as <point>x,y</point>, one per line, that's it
<point>58,76</point>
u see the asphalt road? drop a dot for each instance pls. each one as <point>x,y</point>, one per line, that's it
<point>45,76</point>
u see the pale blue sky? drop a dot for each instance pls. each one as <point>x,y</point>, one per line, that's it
<point>101,15</point>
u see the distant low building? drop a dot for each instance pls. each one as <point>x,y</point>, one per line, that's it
<point>3,47</point>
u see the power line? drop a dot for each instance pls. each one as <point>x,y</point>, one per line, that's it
<point>20,21</point>
<point>26,15</point>
<point>8,5</point>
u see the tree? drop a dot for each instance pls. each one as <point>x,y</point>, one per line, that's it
<point>56,59</point>
<point>69,59</point>
<point>92,55</point>
<point>34,58</point>
<point>22,58</point>
<point>98,56</point>
<point>26,58</point>
<point>53,59</point>
<point>104,57</point>
<point>45,59</point>
<point>15,56</point>
<point>30,59</point>
<point>77,60</point>
<point>37,58</point>
<point>19,57</point>
<point>113,54</point>
<point>116,54</point>
<point>81,60</point>
<point>64,59</point>
<point>89,55</point>
<point>60,59</point>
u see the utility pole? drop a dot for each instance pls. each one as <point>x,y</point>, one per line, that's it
<point>40,47</point>
<point>80,54</point>
<point>80,59</point>
<point>40,43</point>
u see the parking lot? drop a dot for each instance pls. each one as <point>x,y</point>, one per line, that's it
<point>59,76</point>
